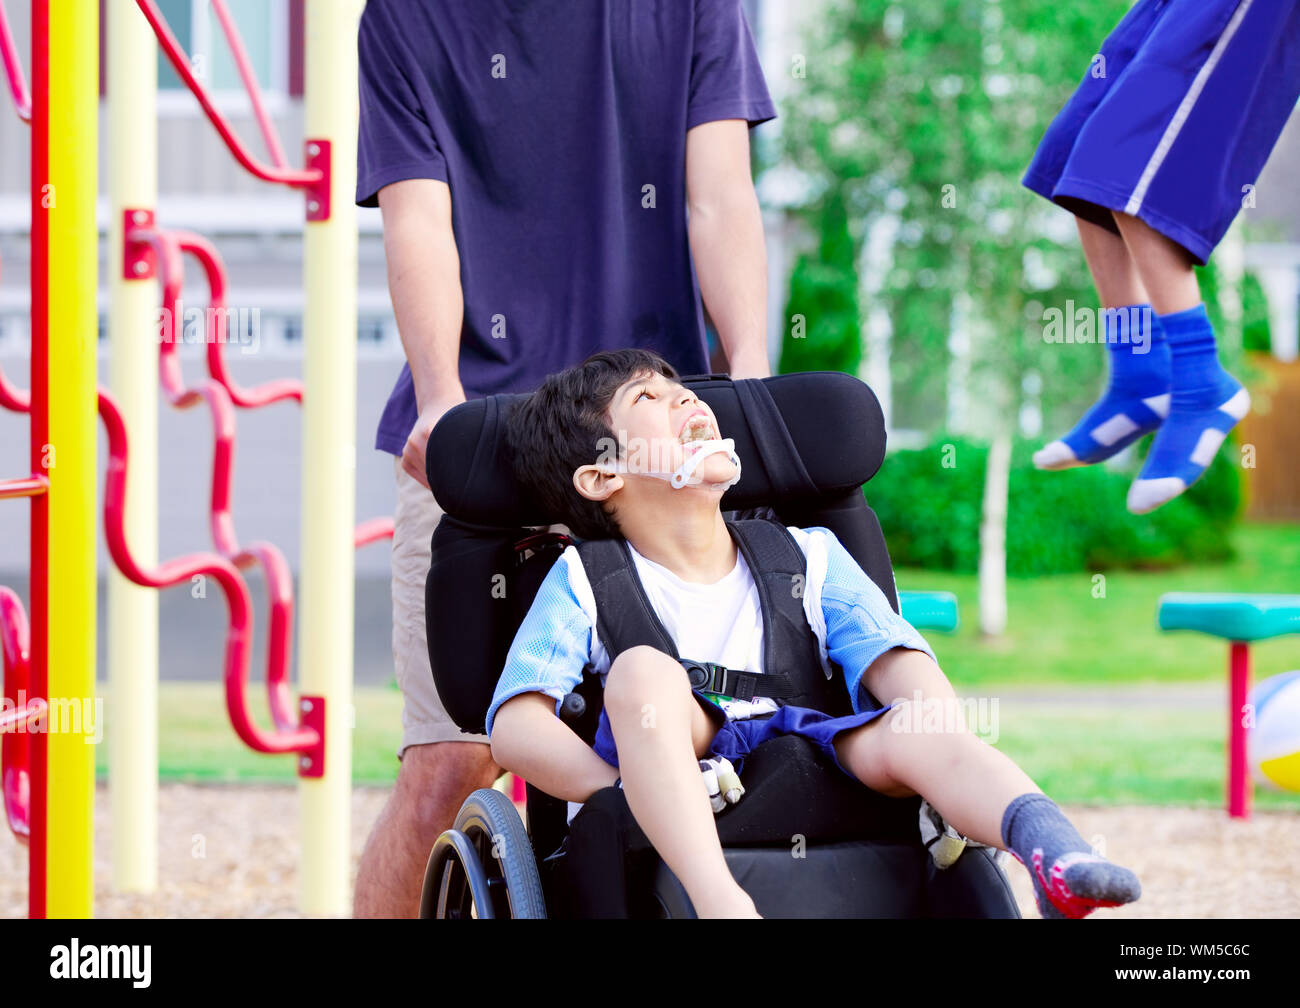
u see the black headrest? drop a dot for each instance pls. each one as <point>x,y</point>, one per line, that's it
<point>835,442</point>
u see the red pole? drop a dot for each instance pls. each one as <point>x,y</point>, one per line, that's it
<point>1238,773</point>
<point>40,432</point>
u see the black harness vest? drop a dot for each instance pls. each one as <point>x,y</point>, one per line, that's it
<point>792,670</point>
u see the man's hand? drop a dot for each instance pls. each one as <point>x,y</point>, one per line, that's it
<point>413,452</point>
<point>751,366</point>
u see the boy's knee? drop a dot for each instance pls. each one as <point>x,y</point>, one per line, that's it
<point>639,675</point>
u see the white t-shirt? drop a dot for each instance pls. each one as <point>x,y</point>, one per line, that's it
<point>721,623</point>
<point>722,619</point>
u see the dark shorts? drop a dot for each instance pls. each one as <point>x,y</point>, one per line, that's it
<point>1175,117</point>
<point>736,739</point>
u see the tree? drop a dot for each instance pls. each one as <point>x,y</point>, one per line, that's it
<point>929,114</point>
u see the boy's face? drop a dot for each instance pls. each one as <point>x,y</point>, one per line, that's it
<point>655,420</point>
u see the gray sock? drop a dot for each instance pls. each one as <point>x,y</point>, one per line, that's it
<point>1069,879</point>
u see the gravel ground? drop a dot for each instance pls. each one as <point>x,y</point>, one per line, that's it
<point>232,852</point>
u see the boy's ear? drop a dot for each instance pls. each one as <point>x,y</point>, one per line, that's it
<point>596,483</point>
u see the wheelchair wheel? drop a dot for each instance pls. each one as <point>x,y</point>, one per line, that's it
<point>483,867</point>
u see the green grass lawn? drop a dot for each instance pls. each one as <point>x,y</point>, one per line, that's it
<point>1058,634</point>
<point>1091,754</point>
<point>1079,748</point>
<point>1082,752</point>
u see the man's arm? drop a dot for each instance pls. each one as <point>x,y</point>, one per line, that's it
<point>726,238</point>
<point>529,740</point>
<point>424,282</point>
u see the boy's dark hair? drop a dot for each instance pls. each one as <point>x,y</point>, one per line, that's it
<point>560,427</point>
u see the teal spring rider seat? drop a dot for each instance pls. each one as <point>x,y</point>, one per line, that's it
<point>931,610</point>
<point>1240,620</point>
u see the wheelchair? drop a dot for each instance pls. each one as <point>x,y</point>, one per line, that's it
<point>805,841</point>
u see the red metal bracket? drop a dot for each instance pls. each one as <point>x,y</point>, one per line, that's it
<point>311,762</point>
<point>318,192</point>
<point>139,260</point>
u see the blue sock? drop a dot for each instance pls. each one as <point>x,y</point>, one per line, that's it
<point>1205,404</point>
<point>1070,881</point>
<point>1136,398</point>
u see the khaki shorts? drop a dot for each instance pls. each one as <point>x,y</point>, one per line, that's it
<point>424,720</point>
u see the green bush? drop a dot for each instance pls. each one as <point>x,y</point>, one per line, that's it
<point>1255,333</point>
<point>1057,522</point>
<point>823,319</point>
<point>823,302</point>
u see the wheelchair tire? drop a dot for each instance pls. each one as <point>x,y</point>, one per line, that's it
<point>484,866</point>
<point>455,885</point>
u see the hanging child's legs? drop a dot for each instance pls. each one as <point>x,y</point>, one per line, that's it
<point>1206,402</point>
<point>979,791</point>
<point>1136,397</point>
<point>1114,272</point>
<point>661,731</point>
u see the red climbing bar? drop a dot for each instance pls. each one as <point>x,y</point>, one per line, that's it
<point>249,78</point>
<point>180,63</point>
<point>14,70</point>
<point>15,758</point>
<point>288,735</point>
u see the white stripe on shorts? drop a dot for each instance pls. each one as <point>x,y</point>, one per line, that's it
<point>1184,110</point>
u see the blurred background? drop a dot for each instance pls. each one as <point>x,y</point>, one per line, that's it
<point>903,249</point>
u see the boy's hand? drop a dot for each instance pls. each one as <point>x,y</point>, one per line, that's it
<point>413,452</point>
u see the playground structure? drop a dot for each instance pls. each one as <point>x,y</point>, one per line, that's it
<point>1240,620</point>
<point>48,772</point>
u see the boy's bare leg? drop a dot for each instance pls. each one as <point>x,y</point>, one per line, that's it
<point>967,780</point>
<point>660,732</point>
<point>979,791</point>
<point>1114,273</point>
<point>1163,264</point>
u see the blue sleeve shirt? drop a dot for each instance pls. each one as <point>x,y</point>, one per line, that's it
<point>850,617</point>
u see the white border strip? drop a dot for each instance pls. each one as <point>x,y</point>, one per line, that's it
<point>1184,110</point>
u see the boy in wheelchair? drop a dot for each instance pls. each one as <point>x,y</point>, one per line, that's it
<point>624,451</point>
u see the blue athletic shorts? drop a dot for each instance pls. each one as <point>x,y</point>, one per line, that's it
<point>1175,117</point>
<point>736,739</point>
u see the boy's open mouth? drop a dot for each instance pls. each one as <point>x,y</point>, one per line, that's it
<point>697,428</point>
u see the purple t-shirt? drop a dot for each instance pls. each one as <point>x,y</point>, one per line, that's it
<point>560,127</point>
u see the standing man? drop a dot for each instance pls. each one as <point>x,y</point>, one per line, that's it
<point>555,178</point>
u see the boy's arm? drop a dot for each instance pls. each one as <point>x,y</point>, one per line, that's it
<point>546,661</point>
<point>529,740</point>
<point>863,634</point>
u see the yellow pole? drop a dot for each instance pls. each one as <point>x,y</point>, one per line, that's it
<point>329,454</point>
<point>72,260</point>
<point>133,610</point>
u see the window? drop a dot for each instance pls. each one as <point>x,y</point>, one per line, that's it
<point>263,26</point>
<point>272,33</point>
